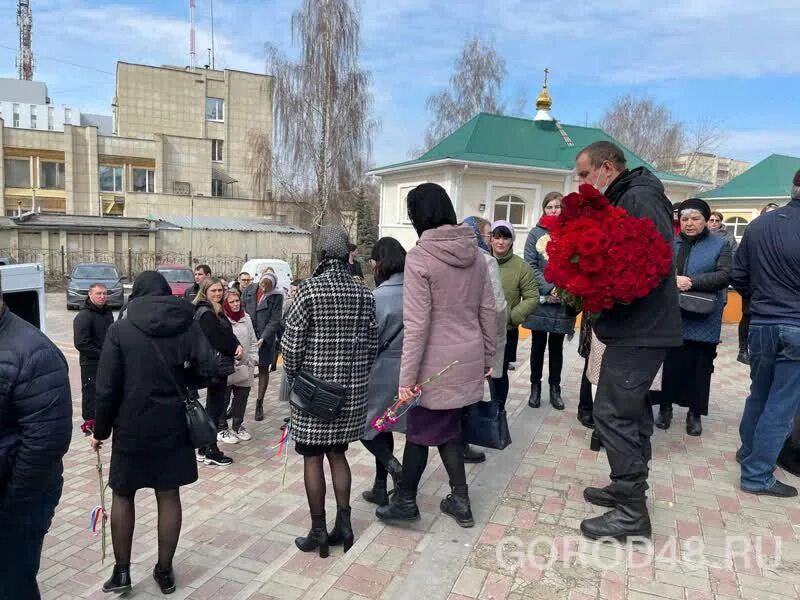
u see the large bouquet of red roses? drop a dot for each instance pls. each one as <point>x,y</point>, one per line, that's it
<point>599,255</point>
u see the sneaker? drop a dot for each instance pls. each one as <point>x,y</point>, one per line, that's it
<point>227,437</point>
<point>201,455</point>
<point>242,434</point>
<point>216,457</point>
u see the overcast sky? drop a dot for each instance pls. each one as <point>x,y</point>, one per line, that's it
<point>733,60</point>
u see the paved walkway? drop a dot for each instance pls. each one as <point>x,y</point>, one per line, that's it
<point>240,521</point>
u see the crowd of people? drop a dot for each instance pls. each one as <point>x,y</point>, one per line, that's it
<point>456,300</point>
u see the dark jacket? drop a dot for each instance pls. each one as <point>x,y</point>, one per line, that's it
<point>35,413</point>
<point>708,264</point>
<point>266,315</point>
<point>727,234</point>
<point>217,329</point>
<point>190,292</point>
<point>136,397</point>
<point>89,331</point>
<point>655,320</point>
<point>766,268</point>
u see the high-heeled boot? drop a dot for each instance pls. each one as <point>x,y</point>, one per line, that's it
<point>120,580</point>
<point>342,532</point>
<point>317,537</point>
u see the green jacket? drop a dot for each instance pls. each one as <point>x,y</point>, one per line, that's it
<point>520,288</point>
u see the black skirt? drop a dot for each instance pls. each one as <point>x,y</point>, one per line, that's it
<point>159,469</point>
<point>687,377</point>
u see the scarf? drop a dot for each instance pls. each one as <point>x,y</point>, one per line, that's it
<point>233,316</point>
<point>481,242</point>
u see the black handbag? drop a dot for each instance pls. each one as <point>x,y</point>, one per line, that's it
<point>485,424</point>
<point>201,429</point>
<point>697,304</point>
<point>220,365</point>
<point>320,398</point>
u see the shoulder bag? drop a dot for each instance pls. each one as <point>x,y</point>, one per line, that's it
<point>485,424</point>
<point>221,365</point>
<point>201,429</point>
<point>697,304</point>
<point>320,398</point>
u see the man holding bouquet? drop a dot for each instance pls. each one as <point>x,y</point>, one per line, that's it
<point>637,336</point>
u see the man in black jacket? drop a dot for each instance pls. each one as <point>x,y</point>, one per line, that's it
<point>35,431</point>
<point>200,274</point>
<point>89,331</point>
<point>637,337</point>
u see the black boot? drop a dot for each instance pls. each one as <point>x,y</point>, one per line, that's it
<point>378,494</point>
<point>600,496</point>
<point>342,532</point>
<point>317,537</point>
<point>596,443</point>
<point>535,399</point>
<point>457,505</point>
<point>165,579</point>
<point>120,580</point>
<point>664,418</point>
<point>629,519</point>
<point>403,507</point>
<point>473,456</point>
<point>555,397</point>
<point>259,409</point>
<point>586,419</point>
<point>694,425</point>
<point>395,469</point>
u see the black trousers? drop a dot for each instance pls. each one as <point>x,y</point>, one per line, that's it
<point>585,402</point>
<point>238,406</point>
<point>542,340</point>
<point>623,417</point>
<point>498,386</point>
<point>687,377</point>
<point>744,325</point>
<point>215,402</point>
<point>88,377</point>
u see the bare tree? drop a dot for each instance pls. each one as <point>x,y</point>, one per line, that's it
<point>259,166</point>
<point>475,86</point>
<point>322,107</point>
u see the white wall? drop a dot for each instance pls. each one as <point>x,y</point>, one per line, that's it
<point>59,115</point>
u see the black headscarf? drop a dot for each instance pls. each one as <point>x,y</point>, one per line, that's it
<point>150,283</point>
<point>697,204</point>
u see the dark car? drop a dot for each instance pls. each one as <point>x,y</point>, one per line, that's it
<point>179,277</point>
<point>85,274</point>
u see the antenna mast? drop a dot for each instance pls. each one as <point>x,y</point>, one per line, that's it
<point>25,24</point>
<point>212,34</point>
<point>192,50</point>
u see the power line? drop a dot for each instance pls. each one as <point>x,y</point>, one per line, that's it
<point>65,62</point>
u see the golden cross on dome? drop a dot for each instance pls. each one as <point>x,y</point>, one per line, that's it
<point>546,72</point>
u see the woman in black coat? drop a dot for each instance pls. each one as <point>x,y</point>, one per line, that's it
<point>142,382</point>
<point>217,329</point>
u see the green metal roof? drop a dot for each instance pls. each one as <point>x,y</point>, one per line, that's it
<point>516,141</point>
<point>771,178</point>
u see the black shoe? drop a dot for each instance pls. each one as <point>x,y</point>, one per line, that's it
<point>587,421</point>
<point>694,425</point>
<point>214,456</point>
<point>778,489</point>
<point>744,358</point>
<point>317,537</point>
<point>628,519</point>
<point>342,532</point>
<point>120,580</point>
<point>535,399</point>
<point>473,456</point>
<point>456,505</point>
<point>165,579</point>
<point>664,418</point>
<point>395,469</point>
<point>596,443</point>
<point>377,495</point>
<point>739,456</point>
<point>403,507</point>
<point>259,410</point>
<point>600,496</point>
<point>555,397</point>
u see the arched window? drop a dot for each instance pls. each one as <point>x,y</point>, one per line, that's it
<point>510,208</point>
<point>737,225</point>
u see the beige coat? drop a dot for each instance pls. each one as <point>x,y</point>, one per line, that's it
<point>244,375</point>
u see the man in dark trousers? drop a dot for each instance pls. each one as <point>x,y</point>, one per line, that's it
<point>766,270</point>
<point>35,431</point>
<point>200,274</point>
<point>89,332</point>
<point>637,337</point>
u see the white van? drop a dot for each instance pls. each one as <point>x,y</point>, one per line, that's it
<point>23,292</point>
<point>255,266</point>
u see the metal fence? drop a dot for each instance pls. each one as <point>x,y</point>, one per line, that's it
<point>58,263</point>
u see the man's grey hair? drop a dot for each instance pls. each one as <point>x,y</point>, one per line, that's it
<point>97,285</point>
<point>796,192</point>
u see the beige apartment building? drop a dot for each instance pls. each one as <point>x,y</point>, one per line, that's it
<point>717,170</point>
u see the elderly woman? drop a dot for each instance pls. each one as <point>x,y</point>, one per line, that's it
<point>703,266</point>
<point>331,335</point>
<point>448,315</point>
<point>550,321</point>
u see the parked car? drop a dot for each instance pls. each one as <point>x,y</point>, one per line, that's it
<point>179,277</point>
<point>7,260</point>
<point>85,274</point>
<point>283,271</point>
<point>23,291</point>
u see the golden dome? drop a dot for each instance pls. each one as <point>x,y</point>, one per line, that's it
<point>544,101</point>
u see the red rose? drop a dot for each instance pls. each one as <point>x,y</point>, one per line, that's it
<point>591,264</point>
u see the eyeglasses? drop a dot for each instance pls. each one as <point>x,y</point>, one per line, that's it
<point>714,220</point>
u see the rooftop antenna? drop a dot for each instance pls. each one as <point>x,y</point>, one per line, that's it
<point>192,51</point>
<point>212,34</point>
<point>25,24</point>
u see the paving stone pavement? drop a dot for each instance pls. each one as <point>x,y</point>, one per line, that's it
<point>239,522</point>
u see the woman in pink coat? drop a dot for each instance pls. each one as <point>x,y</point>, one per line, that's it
<point>448,315</point>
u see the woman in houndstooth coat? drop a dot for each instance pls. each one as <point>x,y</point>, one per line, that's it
<point>331,333</point>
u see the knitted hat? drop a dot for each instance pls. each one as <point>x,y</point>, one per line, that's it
<point>696,204</point>
<point>507,225</point>
<point>332,243</point>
